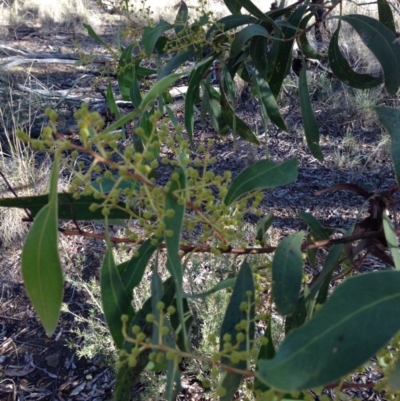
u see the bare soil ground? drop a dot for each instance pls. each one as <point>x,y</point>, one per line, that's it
<point>35,367</point>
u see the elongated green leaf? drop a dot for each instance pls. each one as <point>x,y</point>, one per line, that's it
<point>230,118</point>
<point>177,61</point>
<point>391,237</point>
<point>219,122</point>
<point>134,92</point>
<point>281,55</point>
<point>258,52</point>
<point>342,70</point>
<point>381,41</point>
<point>173,386</point>
<point>228,84</point>
<point>151,35</point>
<point>94,35</point>
<point>333,343</point>
<point>143,71</point>
<point>394,376</point>
<point>262,175</point>
<point>263,226</point>
<point>230,282</point>
<point>390,119</point>
<point>269,102</point>
<point>257,92</point>
<point>310,124</point>
<point>230,22</point>
<point>267,351</point>
<point>134,269</point>
<point>127,376</point>
<point>158,88</point>
<point>318,232</point>
<point>122,121</point>
<point>233,316</point>
<point>246,34</point>
<point>181,17</point>
<point>386,15</point>
<point>173,227</point>
<point>315,226</point>
<point>176,324</point>
<point>304,44</point>
<point>254,10</point>
<point>272,55</point>
<point>233,6</point>
<point>157,291</point>
<point>115,300</point>
<point>68,207</point>
<point>287,273</point>
<point>125,72</point>
<point>330,265</point>
<point>41,266</point>
<point>194,81</point>
<point>111,101</point>
<point>299,316</point>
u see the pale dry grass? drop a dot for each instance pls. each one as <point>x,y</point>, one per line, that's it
<point>47,13</point>
<point>25,173</point>
<point>167,9</point>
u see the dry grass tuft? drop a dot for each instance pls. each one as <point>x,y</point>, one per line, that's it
<point>45,13</point>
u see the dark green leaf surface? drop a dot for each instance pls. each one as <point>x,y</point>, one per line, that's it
<point>181,17</point>
<point>267,351</point>
<point>127,376</point>
<point>173,225</point>
<point>390,119</point>
<point>41,266</point>
<point>315,226</point>
<point>115,300</point>
<point>304,44</point>
<point>158,88</point>
<point>151,35</point>
<point>262,175</point>
<point>125,72</point>
<point>68,207</point>
<point>157,291</point>
<point>394,376</point>
<point>386,15</point>
<point>94,35</point>
<point>194,82</point>
<point>111,101</point>
<point>281,56</point>
<point>176,61</point>
<point>334,342</point>
<point>269,102</point>
<point>230,118</point>
<point>136,266</point>
<point>258,52</point>
<point>233,316</point>
<point>230,22</point>
<point>143,71</point>
<point>391,237</point>
<point>342,70</point>
<point>136,97</point>
<point>176,324</point>
<point>230,282</point>
<point>263,226</point>
<point>246,34</point>
<point>310,124</point>
<point>233,6</point>
<point>381,41</point>
<point>287,273</point>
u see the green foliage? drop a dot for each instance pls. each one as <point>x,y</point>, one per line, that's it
<point>41,266</point>
<point>194,210</point>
